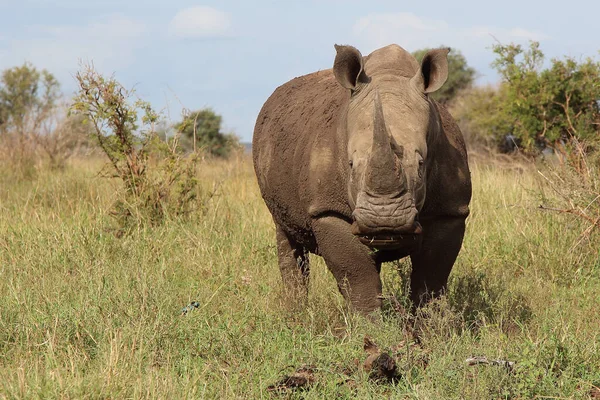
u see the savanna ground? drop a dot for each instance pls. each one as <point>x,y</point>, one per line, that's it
<point>85,313</point>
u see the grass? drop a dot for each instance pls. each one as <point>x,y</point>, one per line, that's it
<point>84,314</point>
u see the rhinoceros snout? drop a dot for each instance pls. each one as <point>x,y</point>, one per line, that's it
<point>390,240</point>
<point>374,226</point>
<point>377,216</point>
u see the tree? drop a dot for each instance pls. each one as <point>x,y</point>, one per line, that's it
<point>205,127</point>
<point>27,96</point>
<point>460,75</point>
<point>28,106</point>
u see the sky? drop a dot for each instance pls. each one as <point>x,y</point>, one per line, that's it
<point>231,54</point>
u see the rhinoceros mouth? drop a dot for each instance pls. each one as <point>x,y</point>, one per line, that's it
<point>391,241</point>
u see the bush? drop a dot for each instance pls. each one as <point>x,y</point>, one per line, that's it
<point>539,107</point>
<point>158,181</point>
<point>553,105</point>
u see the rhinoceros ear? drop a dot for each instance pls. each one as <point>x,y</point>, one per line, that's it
<point>348,66</point>
<point>433,72</point>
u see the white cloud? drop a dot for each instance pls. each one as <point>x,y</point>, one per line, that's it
<point>405,29</point>
<point>413,32</point>
<point>383,22</point>
<point>109,42</point>
<point>200,22</point>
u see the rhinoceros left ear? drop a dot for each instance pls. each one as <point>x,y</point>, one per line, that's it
<point>433,72</point>
<point>348,66</point>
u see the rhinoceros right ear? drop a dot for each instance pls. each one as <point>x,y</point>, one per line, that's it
<point>433,72</point>
<point>348,66</point>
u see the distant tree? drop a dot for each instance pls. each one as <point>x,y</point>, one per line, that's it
<point>27,96</point>
<point>28,109</point>
<point>205,127</point>
<point>460,75</point>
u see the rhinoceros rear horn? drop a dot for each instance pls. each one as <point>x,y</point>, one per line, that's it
<point>348,66</point>
<point>433,72</point>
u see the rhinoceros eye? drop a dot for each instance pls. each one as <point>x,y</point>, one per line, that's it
<point>351,163</point>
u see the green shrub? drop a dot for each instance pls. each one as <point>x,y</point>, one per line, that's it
<point>540,107</point>
<point>158,181</point>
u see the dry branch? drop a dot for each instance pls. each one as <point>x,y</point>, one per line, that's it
<point>478,360</point>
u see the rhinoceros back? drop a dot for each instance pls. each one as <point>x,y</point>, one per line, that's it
<point>296,151</point>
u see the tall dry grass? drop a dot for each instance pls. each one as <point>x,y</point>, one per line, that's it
<point>84,314</point>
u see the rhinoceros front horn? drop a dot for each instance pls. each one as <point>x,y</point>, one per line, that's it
<point>382,173</point>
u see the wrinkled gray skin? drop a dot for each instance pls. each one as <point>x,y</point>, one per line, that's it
<point>358,165</point>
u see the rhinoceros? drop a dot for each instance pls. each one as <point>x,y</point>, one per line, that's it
<point>359,165</point>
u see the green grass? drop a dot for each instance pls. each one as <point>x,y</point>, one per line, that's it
<point>84,314</point>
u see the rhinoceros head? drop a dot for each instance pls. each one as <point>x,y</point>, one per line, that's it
<point>388,125</point>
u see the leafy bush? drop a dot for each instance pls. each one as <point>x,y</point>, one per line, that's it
<point>539,107</point>
<point>157,179</point>
<point>552,105</point>
<point>535,108</point>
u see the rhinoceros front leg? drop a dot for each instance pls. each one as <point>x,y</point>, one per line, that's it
<point>294,267</point>
<point>432,265</point>
<point>352,264</point>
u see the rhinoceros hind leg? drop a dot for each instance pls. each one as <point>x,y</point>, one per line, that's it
<point>432,265</point>
<point>352,264</point>
<point>294,268</point>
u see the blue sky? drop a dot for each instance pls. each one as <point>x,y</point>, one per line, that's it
<point>231,54</point>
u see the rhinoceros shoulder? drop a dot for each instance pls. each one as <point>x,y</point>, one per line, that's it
<point>449,178</point>
<point>297,152</point>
